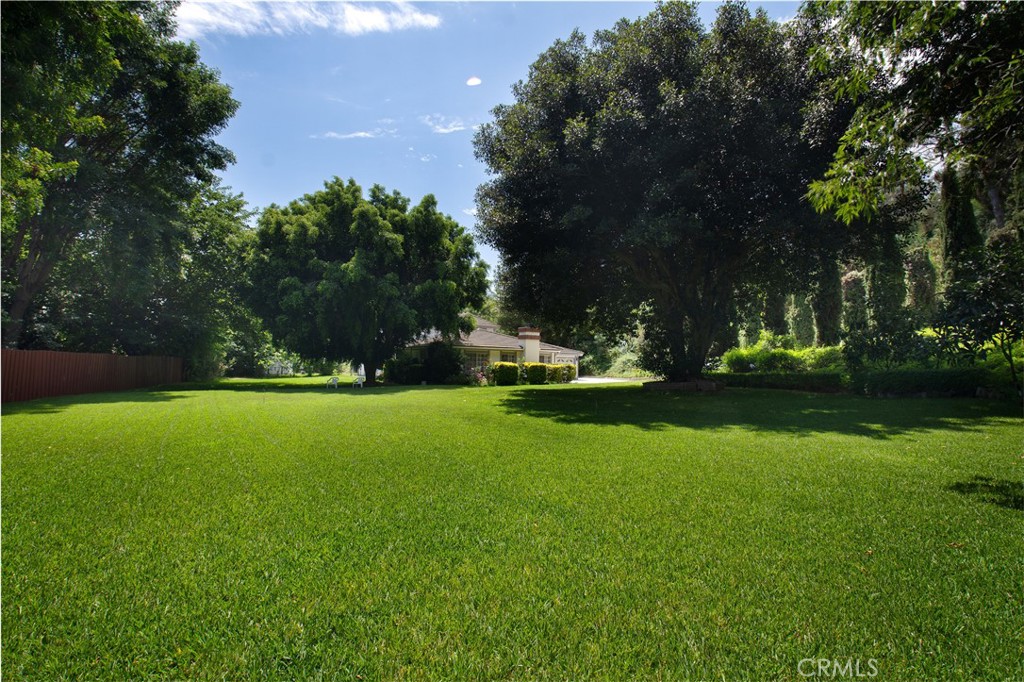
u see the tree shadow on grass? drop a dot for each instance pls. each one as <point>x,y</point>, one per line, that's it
<point>788,412</point>
<point>1009,494</point>
<point>56,404</point>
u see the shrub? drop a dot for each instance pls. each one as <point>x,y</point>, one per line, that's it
<point>824,358</point>
<point>536,372</point>
<point>568,373</point>
<point>505,373</point>
<point>403,370</point>
<point>441,362</point>
<point>822,382</point>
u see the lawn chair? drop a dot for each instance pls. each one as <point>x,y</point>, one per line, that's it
<point>332,382</point>
<point>359,381</point>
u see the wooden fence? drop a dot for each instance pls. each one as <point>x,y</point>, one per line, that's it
<point>30,374</point>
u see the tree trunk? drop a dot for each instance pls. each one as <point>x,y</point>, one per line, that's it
<point>370,367</point>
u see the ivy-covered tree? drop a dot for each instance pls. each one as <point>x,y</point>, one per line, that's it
<point>650,174</point>
<point>341,276</point>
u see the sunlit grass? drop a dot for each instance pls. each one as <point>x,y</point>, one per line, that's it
<point>284,530</point>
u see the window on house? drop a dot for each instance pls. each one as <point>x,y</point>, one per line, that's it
<point>476,359</point>
<point>545,357</point>
<point>508,357</point>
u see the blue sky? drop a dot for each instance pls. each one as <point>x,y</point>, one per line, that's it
<point>386,93</point>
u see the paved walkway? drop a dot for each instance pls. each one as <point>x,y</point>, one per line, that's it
<point>606,380</point>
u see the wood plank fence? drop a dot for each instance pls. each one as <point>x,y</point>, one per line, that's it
<point>30,374</point>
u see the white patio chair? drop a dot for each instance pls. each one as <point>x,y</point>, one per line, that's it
<point>358,381</point>
<point>332,382</point>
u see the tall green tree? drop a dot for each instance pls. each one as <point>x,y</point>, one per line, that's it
<point>341,276</point>
<point>925,75</point>
<point>651,173</point>
<point>173,290</point>
<point>108,123</point>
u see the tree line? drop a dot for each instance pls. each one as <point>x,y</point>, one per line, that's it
<point>685,180</point>
<point>853,174</point>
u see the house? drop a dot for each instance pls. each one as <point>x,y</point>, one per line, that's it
<point>485,345</point>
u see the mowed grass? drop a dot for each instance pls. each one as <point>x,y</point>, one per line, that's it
<point>281,530</point>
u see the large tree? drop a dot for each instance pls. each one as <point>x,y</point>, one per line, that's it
<point>651,173</point>
<point>107,123</point>
<point>341,276</point>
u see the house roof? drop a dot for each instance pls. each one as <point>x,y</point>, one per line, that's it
<point>486,335</point>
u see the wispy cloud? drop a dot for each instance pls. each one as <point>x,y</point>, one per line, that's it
<point>199,18</point>
<point>443,125</point>
<point>358,135</point>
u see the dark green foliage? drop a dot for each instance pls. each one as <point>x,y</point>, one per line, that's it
<point>855,301</point>
<point>818,381</point>
<point>404,369</point>
<point>961,238</point>
<point>801,319</point>
<point>921,284</point>
<point>536,372</point>
<point>109,133</point>
<point>442,362</point>
<point>659,168</point>
<point>827,304</point>
<point>898,342</point>
<point>339,275</point>
<point>986,305</point>
<point>887,290</point>
<point>923,75</point>
<point>773,317</point>
<point>937,382</point>
<point>505,373</point>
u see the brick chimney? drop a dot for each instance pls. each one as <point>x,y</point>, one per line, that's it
<point>530,336</point>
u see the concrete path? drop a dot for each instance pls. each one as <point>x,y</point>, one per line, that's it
<point>605,380</point>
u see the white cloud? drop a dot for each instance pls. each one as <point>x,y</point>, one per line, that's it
<point>473,81</point>
<point>471,212</point>
<point>427,158</point>
<point>358,135</point>
<point>442,124</point>
<point>199,18</point>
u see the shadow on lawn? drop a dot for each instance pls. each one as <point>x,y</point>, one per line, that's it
<point>60,403</point>
<point>166,393</point>
<point>1009,494</point>
<point>791,412</point>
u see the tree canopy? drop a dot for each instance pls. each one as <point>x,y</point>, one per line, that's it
<point>940,76</point>
<point>652,172</point>
<point>108,124</point>
<point>341,276</point>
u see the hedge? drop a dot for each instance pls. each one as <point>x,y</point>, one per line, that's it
<point>822,382</point>
<point>536,372</point>
<point>505,373</point>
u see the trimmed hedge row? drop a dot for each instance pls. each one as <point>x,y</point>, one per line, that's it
<point>510,373</point>
<point>505,373</point>
<point>821,382</point>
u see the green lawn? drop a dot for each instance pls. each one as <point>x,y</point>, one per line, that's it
<point>283,530</point>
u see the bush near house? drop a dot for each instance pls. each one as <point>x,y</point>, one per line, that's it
<point>536,372</point>
<point>505,373</point>
<point>568,373</point>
